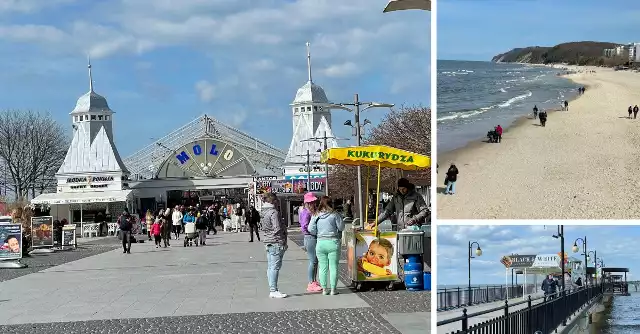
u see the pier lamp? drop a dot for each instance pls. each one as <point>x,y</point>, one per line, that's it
<point>576,249</point>
<point>595,256</point>
<point>357,108</point>
<point>478,253</point>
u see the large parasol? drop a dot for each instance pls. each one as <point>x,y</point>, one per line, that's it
<point>395,5</point>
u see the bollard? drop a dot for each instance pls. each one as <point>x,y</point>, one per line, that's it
<point>465,320</point>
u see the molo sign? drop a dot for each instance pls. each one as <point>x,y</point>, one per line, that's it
<point>198,149</point>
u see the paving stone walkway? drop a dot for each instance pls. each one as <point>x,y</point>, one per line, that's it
<point>217,288</point>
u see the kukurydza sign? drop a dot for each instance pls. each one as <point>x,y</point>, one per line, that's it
<point>547,261</point>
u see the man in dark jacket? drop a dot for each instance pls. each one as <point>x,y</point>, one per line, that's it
<point>201,225</point>
<point>407,205</point>
<point>126,225</point>
<point>549,286</point>
<point>252,217</point>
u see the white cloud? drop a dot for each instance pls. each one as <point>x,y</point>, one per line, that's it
<point>343,70</point>
<point>29,6</point>
<point>206,90</point>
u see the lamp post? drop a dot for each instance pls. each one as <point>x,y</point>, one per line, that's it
<point>560,235</point>
<point>601,266</point>
<point>595,256</point>
<point>356,104</point>
<point>478,253</point>
<point>325,147</point>
<point>576,249</point>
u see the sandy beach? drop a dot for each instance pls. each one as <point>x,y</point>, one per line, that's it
<point>585,164</point>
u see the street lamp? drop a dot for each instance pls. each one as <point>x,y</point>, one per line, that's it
<point>325,147</point>
<point>478,253</point>
<point>576,249</point>
<point>560,235</point>
<point>353,128</point>
<point>357,104</point>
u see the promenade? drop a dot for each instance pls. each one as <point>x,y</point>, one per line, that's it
<point>217,288</point>
<point>455,326</point>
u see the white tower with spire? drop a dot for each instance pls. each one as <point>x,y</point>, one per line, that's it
<point>311,119</point>
<point>92,154</point>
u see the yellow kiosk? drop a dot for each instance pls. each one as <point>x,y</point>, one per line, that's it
<point>372,255</point>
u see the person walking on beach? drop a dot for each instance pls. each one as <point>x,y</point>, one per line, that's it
<point>535,111</point>
<point>274,237</point>
<point>635,111</point>
<point>450,181</point>
<point>499,133</point>
<point>543,118</point>
<point>566,105</point>
<point>630,111</point>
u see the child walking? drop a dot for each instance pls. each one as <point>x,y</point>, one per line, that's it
<point>156,230</point>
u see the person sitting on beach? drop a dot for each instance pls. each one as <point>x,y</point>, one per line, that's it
<point>499,133</point>
<point>535,111</point>
<point>630,111</point>
<point>635,111</point>
<point>450,181</point>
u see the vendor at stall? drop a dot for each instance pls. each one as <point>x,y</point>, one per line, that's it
<point>409,207</point>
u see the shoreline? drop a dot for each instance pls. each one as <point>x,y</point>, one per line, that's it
<point>566,170</point>
<point>518,122</point>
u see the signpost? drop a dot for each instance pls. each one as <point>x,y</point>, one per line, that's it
<point>11,247</point>
<point>69,237</point>
<point>42,235</point>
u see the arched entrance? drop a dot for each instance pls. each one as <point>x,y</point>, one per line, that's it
<point>205,158</point>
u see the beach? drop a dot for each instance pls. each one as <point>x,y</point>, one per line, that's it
<point>585,164</point>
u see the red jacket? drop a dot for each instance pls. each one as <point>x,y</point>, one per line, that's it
<point>156,228</point>
<point>499,130</point>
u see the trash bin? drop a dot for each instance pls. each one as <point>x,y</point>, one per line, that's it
<point>410,242</point>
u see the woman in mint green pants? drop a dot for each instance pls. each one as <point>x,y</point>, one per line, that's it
<point>327,225</point>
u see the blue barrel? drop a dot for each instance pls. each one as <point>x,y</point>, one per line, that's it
<point>413,276</point>
<point>427,281</point>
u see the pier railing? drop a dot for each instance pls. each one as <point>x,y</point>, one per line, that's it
<point>451,298</point>
<point>537,315</point>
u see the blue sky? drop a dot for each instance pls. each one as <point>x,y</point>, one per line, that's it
<point>160,64</point>
<point>480,29</point>
<point>615,245</point>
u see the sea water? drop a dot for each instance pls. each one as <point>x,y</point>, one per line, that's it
<point>474,97</point>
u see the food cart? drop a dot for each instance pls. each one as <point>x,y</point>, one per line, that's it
<point>373,255</point>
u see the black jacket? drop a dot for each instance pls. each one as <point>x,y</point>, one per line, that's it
<point>452,173</point>
<point>549,286</point>
<point>201,222</point>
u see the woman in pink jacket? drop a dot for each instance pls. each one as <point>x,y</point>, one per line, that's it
<point>310,204</point>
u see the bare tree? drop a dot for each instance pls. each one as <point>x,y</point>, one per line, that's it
<point>406,128</point>
<point>33,145</point>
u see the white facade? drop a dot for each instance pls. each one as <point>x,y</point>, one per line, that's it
<point>634,52</point>
<point>92,162</point>
<point>311,120</point>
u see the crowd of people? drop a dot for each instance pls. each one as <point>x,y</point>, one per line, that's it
<point>164,225</point>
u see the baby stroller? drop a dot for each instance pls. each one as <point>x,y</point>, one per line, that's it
<point>190,235</point>
<point>492,136</point>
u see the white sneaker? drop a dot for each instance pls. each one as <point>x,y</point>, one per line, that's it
<point>277,294</point>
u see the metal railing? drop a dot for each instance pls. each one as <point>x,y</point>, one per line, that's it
<point>451,298</point>
<point>545,316</point>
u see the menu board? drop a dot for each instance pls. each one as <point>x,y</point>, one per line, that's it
<point>11,238</point>
<point>68,235</point>
<point>42,231</point>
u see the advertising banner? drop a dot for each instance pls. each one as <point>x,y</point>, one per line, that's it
<point>518,261</point>
<point>290,186</point>
<point>42,231</point>
<point>68,236</point>
<point>377,258</point>
<point>547,261</point>
<point>11,238</point>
